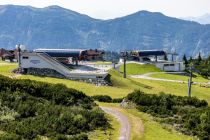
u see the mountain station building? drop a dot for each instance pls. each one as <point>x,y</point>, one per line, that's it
<point>159,58</point>
<point>62,63</point>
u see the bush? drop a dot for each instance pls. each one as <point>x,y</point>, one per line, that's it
<point>76,137</point>
<point>102,98</point>
<point>106,98</point>
<point>57,93</point>
<point>11,136</point>
<point>46,109</point>
<point>117,100</point>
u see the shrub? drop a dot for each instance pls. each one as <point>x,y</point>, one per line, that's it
<point>58,93</point>
<point>102,98</point>
<point>46,109</point>
<point>10,136</point>
<point>117,100</point>
<point>106,98</point>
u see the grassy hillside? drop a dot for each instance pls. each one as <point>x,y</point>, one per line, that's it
<point>121,87</point>
<point>134,69</point>
<point>188,115</point>
<point>197,77</point>
<point>152,130</point>
<point>179,89</point>
<point>6,68</point>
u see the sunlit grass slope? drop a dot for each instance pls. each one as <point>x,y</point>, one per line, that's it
<point>6,68</point>
<point>197,78</point>
<point>152,129</point>
<point>121,86</point>
<point>134,69</point>
<point>179,89</point>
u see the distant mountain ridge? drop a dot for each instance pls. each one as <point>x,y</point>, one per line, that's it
<point>204,19</point>
<point>56,27</point>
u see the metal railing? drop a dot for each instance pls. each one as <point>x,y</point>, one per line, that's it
<point>59,66</point>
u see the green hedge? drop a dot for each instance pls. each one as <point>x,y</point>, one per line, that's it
<point>106,98</point>
<point>57,93</point>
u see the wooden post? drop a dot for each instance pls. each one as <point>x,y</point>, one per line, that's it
<point>19,57</point>
<point>190,82</point>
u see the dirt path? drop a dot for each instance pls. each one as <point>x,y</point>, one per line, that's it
<point>125,128</point>
<point>147,76</point>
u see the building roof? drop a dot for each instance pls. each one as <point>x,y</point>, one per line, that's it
<point>94,52</point>
<point>151,53</point>
<point>4,52</point>
<point>62,52</point>
<point>58,50</point>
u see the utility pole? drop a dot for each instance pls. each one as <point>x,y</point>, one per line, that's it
<point>124,55</point>
<point>124,66</point>
<point>113,64</point>
<point>190,82</point>
<point>19,57</point>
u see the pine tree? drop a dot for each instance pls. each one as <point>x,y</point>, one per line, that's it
<point>199,58</point>
<point>185,60</point>
<point>207,62</point>
<point>191,59</point>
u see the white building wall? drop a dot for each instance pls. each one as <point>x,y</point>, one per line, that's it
<point>121,60</point>
<point>171,66</point>
<point>33,61</point>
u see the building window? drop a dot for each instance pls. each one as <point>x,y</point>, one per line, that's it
<point>165,65</point>
<point>99,77</point>
<point>25,57</point>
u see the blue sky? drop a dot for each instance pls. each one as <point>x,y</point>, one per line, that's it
<point>107,9</point>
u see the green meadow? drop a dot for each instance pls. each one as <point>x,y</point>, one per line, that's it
<point>196,78</point>
<point>135,69</point>
<point>123,86</point>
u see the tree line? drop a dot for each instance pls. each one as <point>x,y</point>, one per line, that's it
<point>199,64</point>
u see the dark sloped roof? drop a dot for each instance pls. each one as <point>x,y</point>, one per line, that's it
<point>4,52</point>
<point>62,52</point>
<point>152,52</point>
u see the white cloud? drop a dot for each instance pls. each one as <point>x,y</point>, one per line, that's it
<point>116,8</point>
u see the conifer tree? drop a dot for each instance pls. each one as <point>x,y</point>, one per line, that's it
<point>199,58</point>
<point>191,59</point>
<point>185,60</point>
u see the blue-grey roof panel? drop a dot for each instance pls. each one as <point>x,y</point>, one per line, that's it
<point>149,53</point>
<point>61,52</point>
